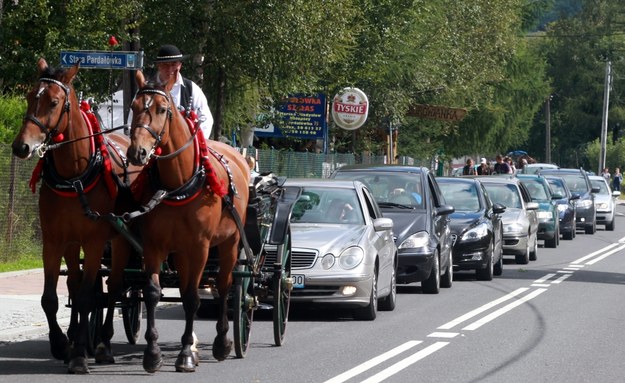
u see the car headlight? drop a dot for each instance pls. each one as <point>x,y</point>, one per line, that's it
<point>351,257</point>
<point>514,227</point>
<point>584,203</point>
<point>478,232</point>
<point>543,215</point>
<point>602,205</point>
<point>327,261</point>
<point>562,207</point>
<point>419,239</point>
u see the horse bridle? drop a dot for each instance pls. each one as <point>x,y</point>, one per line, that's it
<point>159,136</point>
<point>41,149</point>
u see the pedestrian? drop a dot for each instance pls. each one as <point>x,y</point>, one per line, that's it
<point>469,168</point>
<point>185,94</point>
<point>501,167</point>
<point>606,174</point>
<point>512,168</point>
<point>251,162</point>
<point>617,180</point>
<point>484,168</point>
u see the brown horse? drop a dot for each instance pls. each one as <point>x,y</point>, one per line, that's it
<point>83,176</point>
<point>185,227</point>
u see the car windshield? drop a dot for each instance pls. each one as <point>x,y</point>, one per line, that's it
<point>537,189</point>
<point>557,186</point>
<point>390,187</point>
<point>505,194</point>
<point>575,182</point>
<point>462,196</point>
<point>327,205</point>
<point>601,184</point>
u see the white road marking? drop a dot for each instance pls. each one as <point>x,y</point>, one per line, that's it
<point>438,334</point>
<point>404,363</point>
<point>582,259</point>
<point>543,279</point>
<point>561,279</point>
<point>605,255</point>
<point>495,314</point>
<point>481,309</point>
<point>565,272</point>
<point>575,267</point>
<point>373,362</point>
<point>540,285</point>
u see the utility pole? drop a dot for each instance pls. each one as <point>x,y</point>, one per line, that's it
<point>548,130</point>
<point>604,120</point>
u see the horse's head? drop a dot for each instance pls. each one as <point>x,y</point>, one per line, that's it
<point>152,112</point>
<point>48,112</point>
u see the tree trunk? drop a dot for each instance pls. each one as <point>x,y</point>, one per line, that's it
<point>221,103</point>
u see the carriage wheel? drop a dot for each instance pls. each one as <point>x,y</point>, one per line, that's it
<point>282,286</point>
<point>131,314</point>
<point>243,314</point>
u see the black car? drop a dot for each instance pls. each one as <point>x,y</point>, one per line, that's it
<point>577,180</point>
<point>567,210</point>
<point>476,227</point>
<point>410,196</point>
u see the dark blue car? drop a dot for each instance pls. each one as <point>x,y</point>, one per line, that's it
<point>567,209</point>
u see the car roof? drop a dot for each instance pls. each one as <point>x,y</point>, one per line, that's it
<point>594,177</point>
<point>562,170</point>
<point>383,168</point>
<point>323,182</point>
<point>501,179</point>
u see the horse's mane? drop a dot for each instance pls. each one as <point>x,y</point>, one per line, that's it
<point>51,72</point>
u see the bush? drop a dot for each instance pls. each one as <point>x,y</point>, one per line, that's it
<point>12,110</point>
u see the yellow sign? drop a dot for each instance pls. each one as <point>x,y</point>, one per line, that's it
<point>434,112</point>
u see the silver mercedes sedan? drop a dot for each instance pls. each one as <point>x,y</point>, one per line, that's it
<point>343,253</point>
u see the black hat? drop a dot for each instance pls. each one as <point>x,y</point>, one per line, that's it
<point>169,53</point>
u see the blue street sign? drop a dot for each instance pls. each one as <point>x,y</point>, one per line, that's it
<point>103,59</point>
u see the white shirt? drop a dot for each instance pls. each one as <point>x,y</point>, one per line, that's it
<point>199,103</point>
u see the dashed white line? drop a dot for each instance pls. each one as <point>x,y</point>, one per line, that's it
<point>402,364</point>
<point>438,334</point>
<point>495,314</point>
<point>543,279</point>
<point>561,279</point>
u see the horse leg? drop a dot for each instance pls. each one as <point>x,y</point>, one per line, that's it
<point>187,358</point>
<point>59,343</point>
<point>120,250</point>
<point>85,302</point>
<point>152,358</point>
<point>228,254</point>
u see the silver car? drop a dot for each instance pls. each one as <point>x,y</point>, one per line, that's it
<point>343,253</point>
<point>604,202</point>
<point>520,224</point>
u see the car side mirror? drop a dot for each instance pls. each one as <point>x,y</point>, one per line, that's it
<point>574,196</point>
<point>557,196</point>
<point>616,194</point>
<point>498,208</point>
<point>532,206</point>
<point>595,189</point>
<point>382,224</point>
<point>445,210</point>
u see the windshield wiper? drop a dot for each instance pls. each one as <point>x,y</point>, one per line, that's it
<point>393,204</point>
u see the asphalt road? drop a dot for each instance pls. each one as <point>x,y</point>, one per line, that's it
<point>557,319</point>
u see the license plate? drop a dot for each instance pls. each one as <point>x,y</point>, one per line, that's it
<point>298,281</point>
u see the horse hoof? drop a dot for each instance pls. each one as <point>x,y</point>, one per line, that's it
<point>221,351</point>
<point>78,365</point>
<point>59,346</point>
<point>185,363</point>
<point>151,364</point>
<point>104,356</point>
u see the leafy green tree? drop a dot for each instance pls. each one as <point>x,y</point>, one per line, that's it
<point>11,114</point>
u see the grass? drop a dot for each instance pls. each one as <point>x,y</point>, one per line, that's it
<point>22,264</point>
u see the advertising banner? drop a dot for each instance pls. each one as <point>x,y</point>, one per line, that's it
<point>301,116</point>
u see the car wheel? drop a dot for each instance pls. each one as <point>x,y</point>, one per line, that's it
<point>369,312</point>
<point>523,259</point>
<point>534,251</point>
<point>432,285</point>
<point>610,226</point>
<point>551,242</point>
<point>486,274</point>
<point>448,278</point>
<point>388,302</point>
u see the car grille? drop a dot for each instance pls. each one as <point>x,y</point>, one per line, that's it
<point>300,259</point>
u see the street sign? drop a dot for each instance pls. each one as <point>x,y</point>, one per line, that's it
<point>103,59</point>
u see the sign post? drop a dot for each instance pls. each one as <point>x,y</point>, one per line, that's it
<point>103,59</point>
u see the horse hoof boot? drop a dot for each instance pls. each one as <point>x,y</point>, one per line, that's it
<point>185,364</point>
<point>152,363</point>
<point>103,356</point>
<point>78,365</point>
